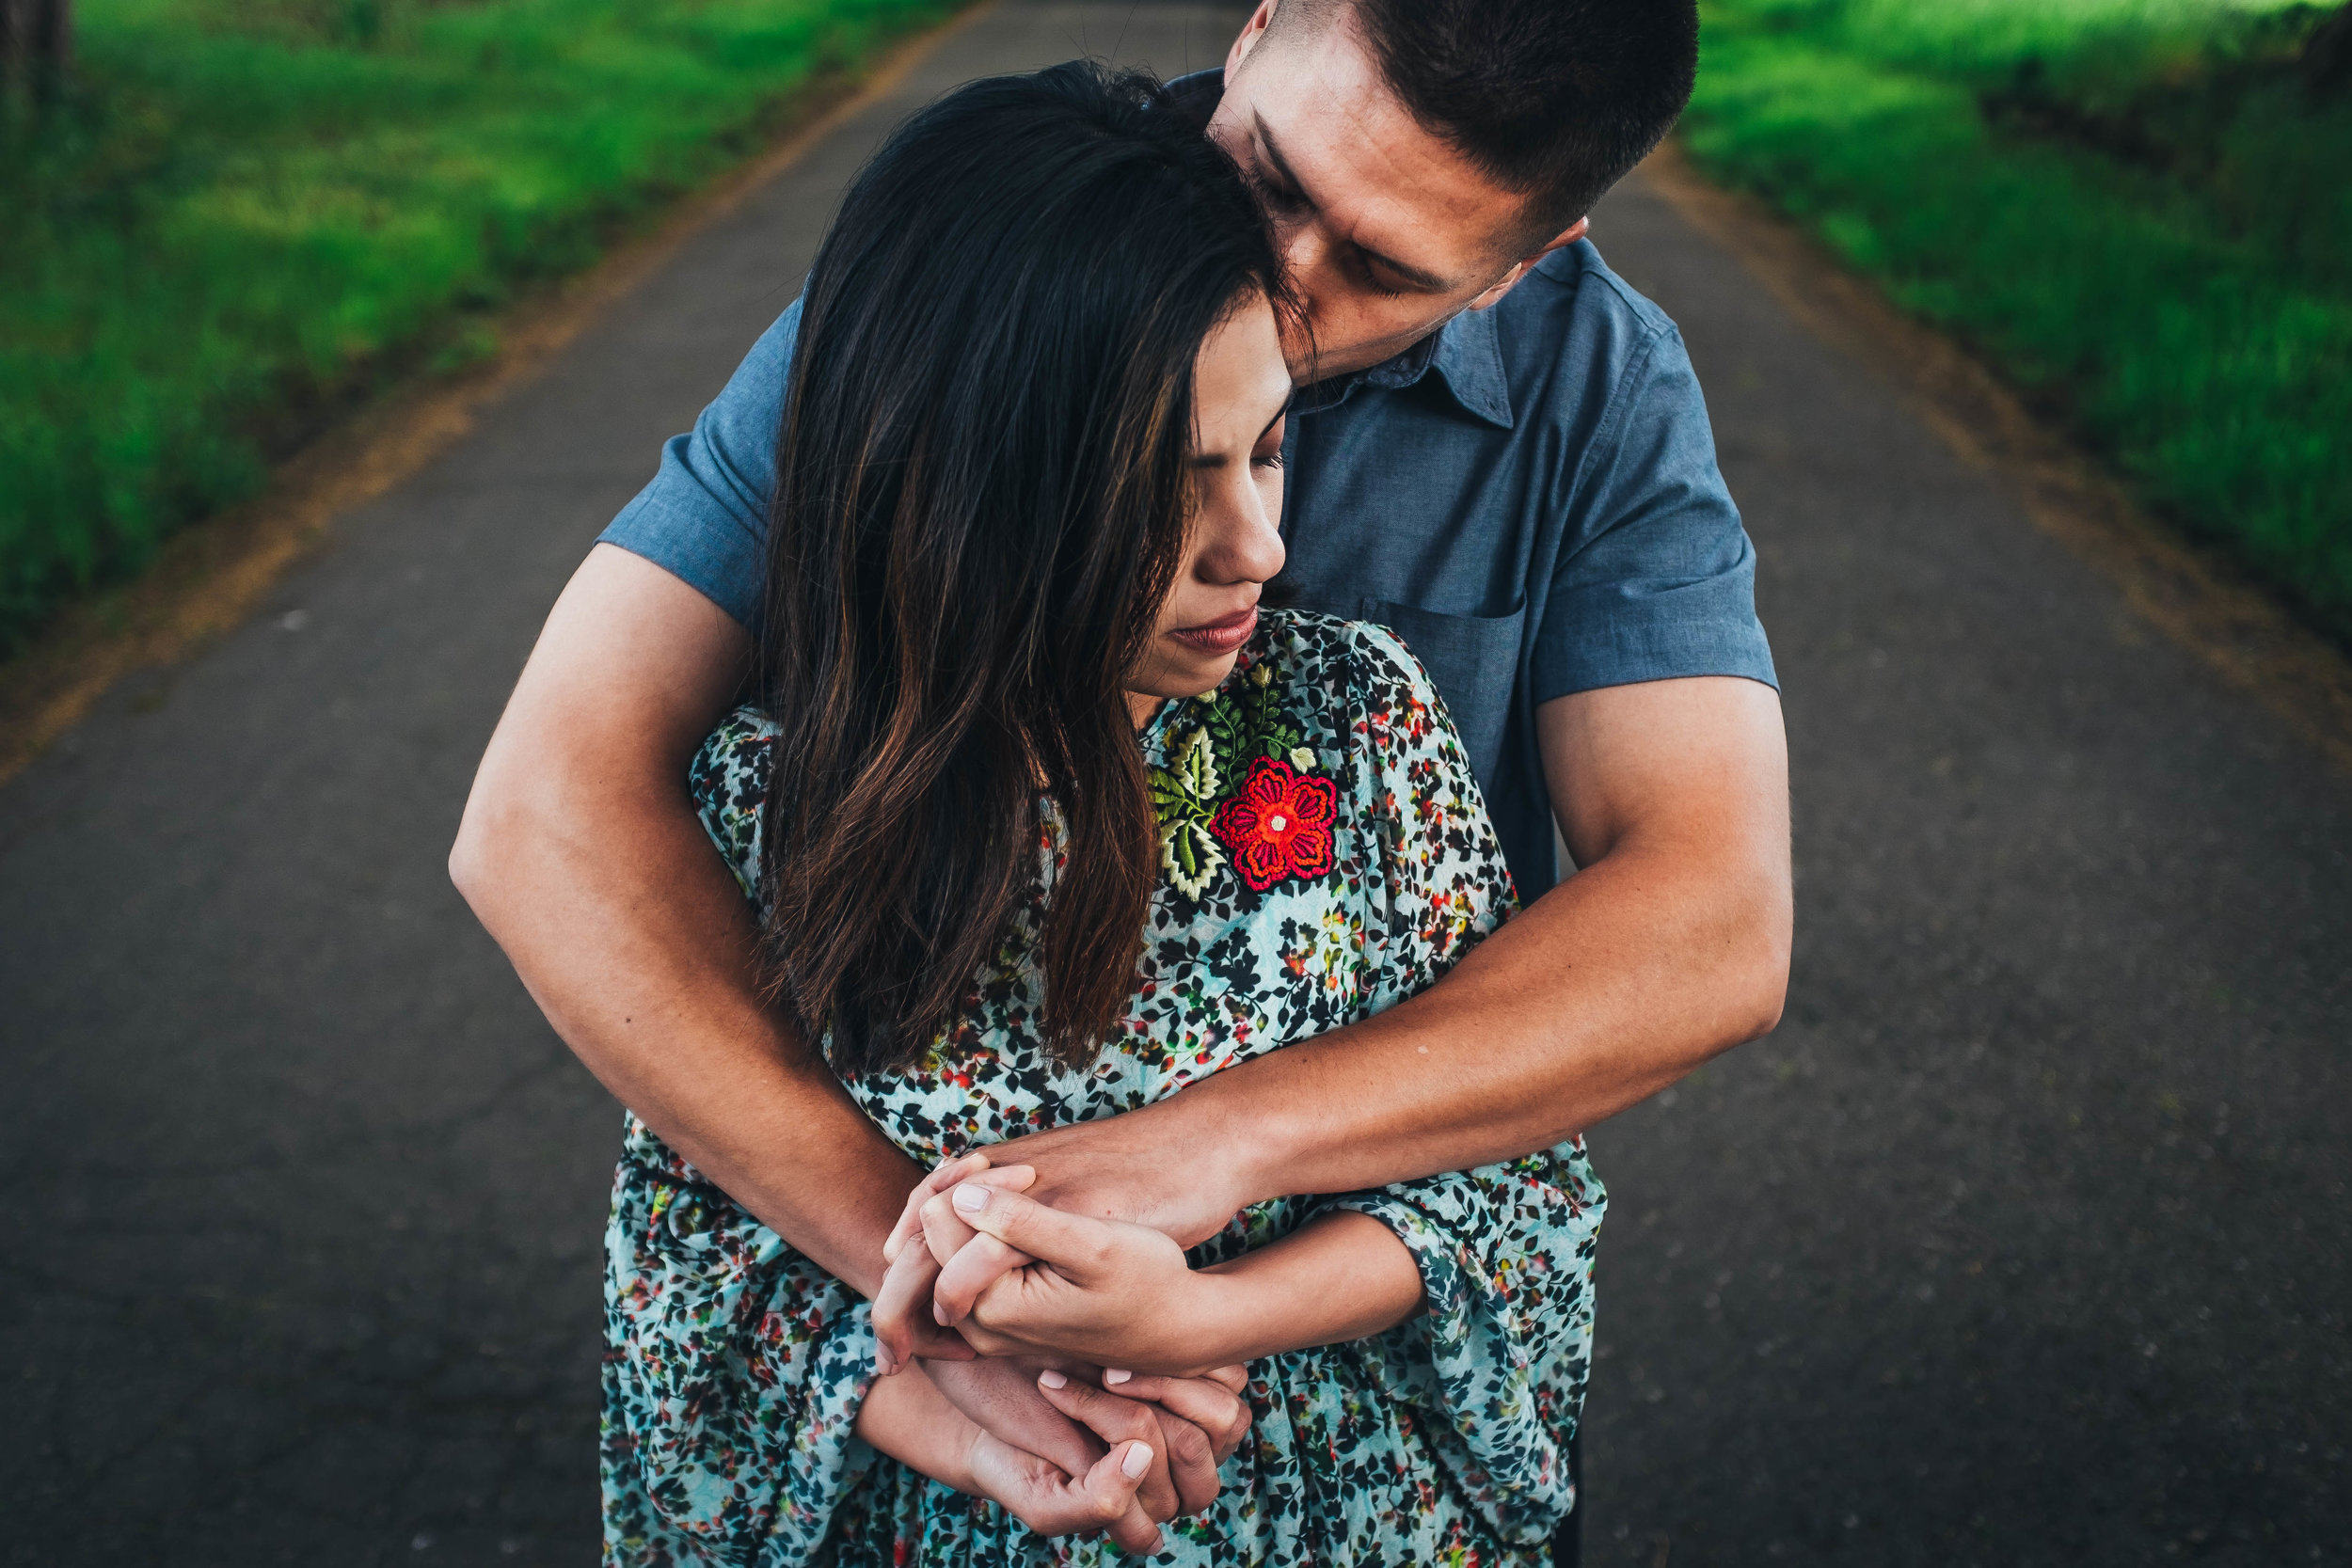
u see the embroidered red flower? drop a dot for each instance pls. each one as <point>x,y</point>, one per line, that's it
<point>1277,824</point>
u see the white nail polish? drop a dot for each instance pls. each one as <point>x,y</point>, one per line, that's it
<point>1137,1461</point>
<point>1052,1379</point>
<point>1113,1377</point>
<point>971,1199</point>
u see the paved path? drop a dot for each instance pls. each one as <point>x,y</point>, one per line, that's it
<point>2022,1242</point>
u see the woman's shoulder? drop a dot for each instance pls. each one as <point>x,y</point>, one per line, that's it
<point>1362,676</point>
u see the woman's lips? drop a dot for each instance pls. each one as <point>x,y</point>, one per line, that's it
<point>1220,637</point>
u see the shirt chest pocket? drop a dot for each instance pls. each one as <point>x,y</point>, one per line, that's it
<point>1473,661</point>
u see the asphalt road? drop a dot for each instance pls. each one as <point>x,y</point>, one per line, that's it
<point>2023,1240</point>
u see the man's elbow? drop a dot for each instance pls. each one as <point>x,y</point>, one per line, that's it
<point>1757,992</point>
<point>480,860</point>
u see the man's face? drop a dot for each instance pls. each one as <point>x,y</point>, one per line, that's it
<point>1387,230</point>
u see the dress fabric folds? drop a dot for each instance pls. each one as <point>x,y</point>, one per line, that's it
<point>1327,855</point>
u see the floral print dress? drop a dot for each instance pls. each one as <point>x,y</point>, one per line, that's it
<point>1327,855</point>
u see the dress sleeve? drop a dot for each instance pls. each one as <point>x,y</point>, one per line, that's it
<point>735,1367</point>
<point>734,1371</point>
<point>1498,1361</point>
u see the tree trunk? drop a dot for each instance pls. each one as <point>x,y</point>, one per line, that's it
<point>2328,56</point>
<point>36,44</point>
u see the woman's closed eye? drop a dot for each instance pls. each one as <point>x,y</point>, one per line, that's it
<point>1267,453</point>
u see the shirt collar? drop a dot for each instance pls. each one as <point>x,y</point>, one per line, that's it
<point>1465,352</point>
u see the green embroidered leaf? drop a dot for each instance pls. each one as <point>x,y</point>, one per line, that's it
<point>1172,802</point>
<point>1190,855</point>
<point>1229,733</point>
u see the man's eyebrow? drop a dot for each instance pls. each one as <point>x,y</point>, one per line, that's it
<point>1427,281</point>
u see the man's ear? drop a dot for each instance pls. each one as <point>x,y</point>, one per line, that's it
<point>1509,280</point>
<point>1252,32</point>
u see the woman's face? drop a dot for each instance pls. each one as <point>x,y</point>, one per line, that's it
<point>1240,388</point>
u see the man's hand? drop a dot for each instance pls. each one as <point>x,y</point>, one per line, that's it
<point>1105,1292</point>
<point>1133,1169</point>
<point>1200,1422</point>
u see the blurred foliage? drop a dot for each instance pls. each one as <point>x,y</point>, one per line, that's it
<point>2140,209</point>
<point>244,214</point>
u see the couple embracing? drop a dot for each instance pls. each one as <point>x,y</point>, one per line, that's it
<point>1106,1054</point>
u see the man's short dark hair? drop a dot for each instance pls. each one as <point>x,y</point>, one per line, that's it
<point>1554,98</point>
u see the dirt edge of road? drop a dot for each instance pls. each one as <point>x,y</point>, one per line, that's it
<point>209,577</point>
<point>2191,594</point>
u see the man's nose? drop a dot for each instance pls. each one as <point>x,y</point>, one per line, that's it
<point>1305,252</point>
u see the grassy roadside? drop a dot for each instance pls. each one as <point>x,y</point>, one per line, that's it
<point>251,213</point>
<point>2141,210</point>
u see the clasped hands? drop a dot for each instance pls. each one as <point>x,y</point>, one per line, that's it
<point>986,1285</point>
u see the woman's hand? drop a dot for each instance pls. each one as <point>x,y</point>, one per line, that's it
<point>905,1324</point>
<point>1052,1502</point>
<point>1099,1291</point>
<point>911,1421</point>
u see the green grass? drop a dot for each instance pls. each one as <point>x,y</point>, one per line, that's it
<point>2135,207</point>
<point>245,214</point>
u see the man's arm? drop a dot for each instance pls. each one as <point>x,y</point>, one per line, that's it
<point>582,853</point>
<point>1670,945</point>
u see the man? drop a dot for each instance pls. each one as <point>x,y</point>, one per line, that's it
<point>1500,452</point>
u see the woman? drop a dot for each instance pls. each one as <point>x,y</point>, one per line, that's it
<point>1045,820</point>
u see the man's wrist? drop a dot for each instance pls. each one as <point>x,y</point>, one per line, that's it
<point>1231,1137</point>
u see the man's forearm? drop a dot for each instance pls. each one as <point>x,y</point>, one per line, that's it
<point>582,856</point>
<point>680,1037</point>
<point>1670,945</point>
<point>1610,987</point>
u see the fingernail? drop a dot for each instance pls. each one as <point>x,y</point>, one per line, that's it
<point>1137,1461</point>
<point>1113,1377</point>
<point>970,1198</point>
<point>1052,1379</point>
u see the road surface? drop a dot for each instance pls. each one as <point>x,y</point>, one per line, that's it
<point>2023,1240</point>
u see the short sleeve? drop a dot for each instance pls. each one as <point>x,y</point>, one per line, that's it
<point>1657,578</point>
<point>704,517</point>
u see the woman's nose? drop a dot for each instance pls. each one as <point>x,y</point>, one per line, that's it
<point>1246,544</point>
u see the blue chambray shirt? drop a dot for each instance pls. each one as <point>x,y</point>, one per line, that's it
<point>1529,497</point>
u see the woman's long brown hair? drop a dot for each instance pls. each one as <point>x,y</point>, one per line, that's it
<point>981,498</point>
